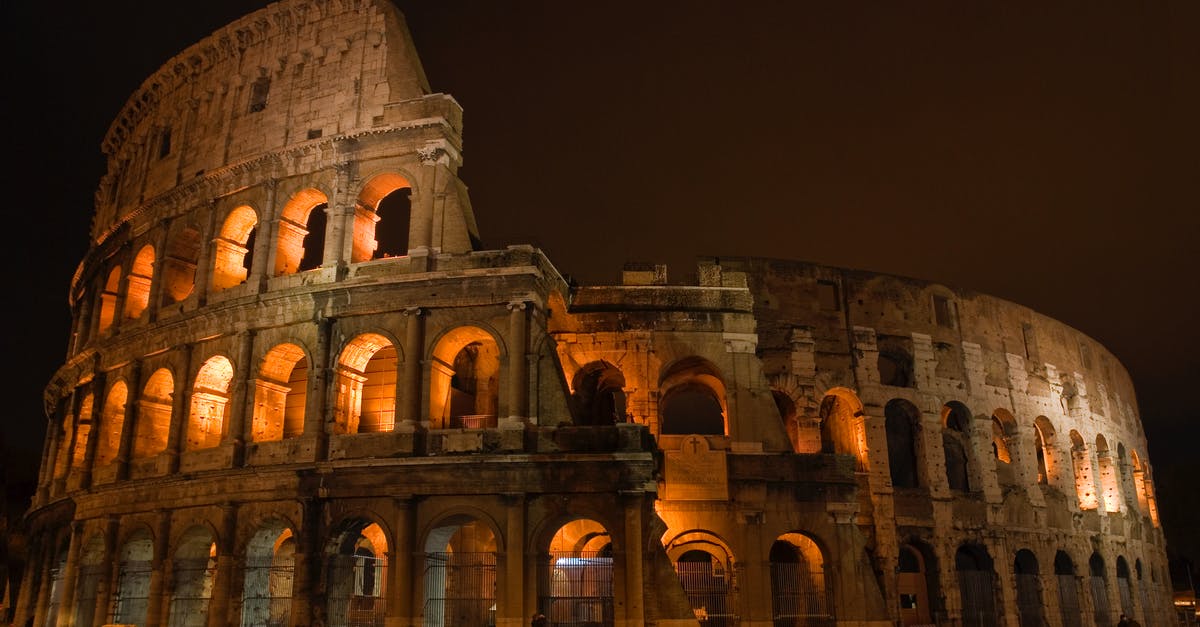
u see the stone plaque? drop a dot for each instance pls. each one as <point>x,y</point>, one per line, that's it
<point>695,472</point>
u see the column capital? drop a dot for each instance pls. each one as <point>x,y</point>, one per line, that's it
<point>415,311</point>
<point>515,305</point>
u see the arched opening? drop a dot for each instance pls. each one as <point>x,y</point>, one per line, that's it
<point>280,392</point>
<point>1101,613</point>
<point>1139,482</point>
<point>356,574</point>
<point>56,574</point>
<point>599,394</point>
<point>577,588</point>
<point>137,290</point>
<point>92,566</point>
<point>956,444</point>
<point>267,586</point>
<point>108,300</point>
<point>841,414</point>
<point>975,586</point>
<point>1004,431</point>
<point>301,239</point>
<point>902,422</point>
<point>692,399</point>
<point>132,594</point>
<point>1109,479</point>
<point>381,219</point>
<point>366,386</point>
<point>154,415</point>
<point>1070,609</point>
<point>917,584</point>
<point>1085,488</point>
<point>112,420</point>
<point>799,595</point>
<point>179,265</point>
<point>233,251</point>
<point>1046,459</point>
<point>1029,589</point>
<point>193,568</point>
<point>83,432</point>
<point>210,397</point>
<point>895,362</point>
<point>460,574</point>
<point>464,380</point>
<point>1124,586</point>
<point>707,573</point>
<point>1126,479</point>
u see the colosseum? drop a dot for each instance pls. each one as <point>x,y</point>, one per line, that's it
<point>298,391</point>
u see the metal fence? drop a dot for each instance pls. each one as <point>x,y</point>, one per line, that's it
<point>460,589</point>
<point>267,595</point>
<point>132,597</point>
<point>355,585</point>
<point>576,590</point>
<point>88,583</point>
<point>978,598</point>
<point>1029,600</point>
<point>799,596</point>
<point>1100,609</point>
<point>712,591</point>
<point>193,590</point>
<point>1068,601</point>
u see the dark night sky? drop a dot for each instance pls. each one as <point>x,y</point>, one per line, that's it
<point>1041,152</point>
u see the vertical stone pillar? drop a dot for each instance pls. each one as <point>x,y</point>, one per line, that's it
<point>420,229</point>
<point>129,421</point>
<point>180,410</point>
<point>318,390</point>
<point>222,591</point>
<point>305,605</point>
<point>42,600</point>
<point>154,601</point>
<point>634,610</point>
<point>204,260</point>
<point>339,222</point>
<point>66,609</point>
<point>49,454</point>
<point>518,369</point>
<point>512,593</point>
<point>89,452</point>
<point>264,239</point>
<point>400,610</point>
<point>409,394</point>
<point>241,403</point>
<point>160,255</point>
<point>104,588</point>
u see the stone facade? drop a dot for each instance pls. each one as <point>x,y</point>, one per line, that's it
<point>297,392</point>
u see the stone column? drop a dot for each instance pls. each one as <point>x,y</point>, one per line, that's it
<point>307,567</point>
<point>49,454</point>
<point>414,352</point>
<point>204,260</point>
<point>400,609</point>
<point>420,229</point>
<point>160,255</point>
<point>512,592</point>
<point>634,612</point>
<point>222,591</point>
<point>89,451</point>
<point>241,402</point>
<point>339,222</point>
<point>318,390</point>
<point>154,600</point>
<point>264,239</point>
<point>66,608</point>
<point>129,421</point>
<point>180,410</point>
<point>518,366</point>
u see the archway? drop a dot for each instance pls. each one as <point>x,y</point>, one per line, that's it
<point>976,586</point>
<point>1085,488</point>
<point>692,395</point>
<point>301,240</point>
<point>267,587</point>
<point>1029,589</point>
<point>210,397</point>
<point>956,445</point>
<point>356,574</point>
<point>137,284</point>
<point>154,415</point>
<point>902,422</point>
<point>382,215</point>
<point>1101,613</point>
<point>132,597</point>
<point>1047,461</point>
<point>179,265</point>
<point>280,393</point>
<point>366,386</point>
<point>1070,609</point>
<point>598,394</point>
<point>917,584</point>
<point>464,379</point>
<point>707,573</point>
<point>108,300</point>
<point>112,421</point>
<point>799,595</point>
<point>1124,586</point>
<point>1109,478</point>
<point>193,569</point>
<point>577,589</point>
<point>234,248</point>
<point>92,567</point>
<point>840,414</point>
<point>460,574</point>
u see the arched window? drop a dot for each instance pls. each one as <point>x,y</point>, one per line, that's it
<point>1109,479</point>
<point>976,586</point>
<point>1070,608</point>
<point>356,563</point>
<point>692,400</point>
<point>132,594</point>
<point>112,421</point>
<point>267,585</point>
<point>108,300</point>
<point>234,248</point>
<point>194,567</point>
<point>301,239</point>
<point>381,219</point>
<point>280,393</point>
<point>841,417</point>
<point>902,421</point>
<point>179,265</point>
<point>154,415</point>
<point>956,445</point>
<point>366,385</point>
<point>1004,452</point>
<point>83,431</point>
<point>1029,590</point>
<point>599,395</point>
<point>1046,458</point>
<point>464,379</point>
<point>798,585</point>
<point>460,571</point>
<point>578,583</point>
<point>137,291</point>
<point>210,398</point>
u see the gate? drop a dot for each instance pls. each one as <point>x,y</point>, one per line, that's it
<point>799,597</point>
<point>133,593</point>
<point>89,582</point>
<point>1029,600</point>
<point>355,587</point>
<point>1068,601</point>
<point>712,592</point>
<point>1100,611</point>
<point>577,590</point>
<point>193,589</point>
<point>460,589</point>
<point>978,598</point>
<point>267,597</point>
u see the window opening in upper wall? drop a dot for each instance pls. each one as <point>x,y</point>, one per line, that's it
<point>827,296</point>
<point>259,91</point>
<point>164,143</point>
<point>1031,347</point>
<point>943,312</point>
<point>391,231</point>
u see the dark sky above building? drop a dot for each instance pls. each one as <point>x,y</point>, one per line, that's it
<point>1042,152</point>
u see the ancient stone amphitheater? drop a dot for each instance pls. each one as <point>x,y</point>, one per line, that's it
<point>298,392</point>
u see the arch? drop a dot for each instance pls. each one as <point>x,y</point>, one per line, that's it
<point>976,585</point>
<point>92,567</point>
<point>1139,482</point>
<point>83,431</point>
<point>841,415</point>
<point>300,244</point>
<point>1070,608</point>
<point>194,566</point>
<point>799,588</point>
<point>917,583</point>
<point>366,385</point>
<point>598,394</point>
<point>465,546</point>
<point>1098,584</point>
<point>268,574</point>
<point>112,421</point>
<point>1004,427</point>
<point>108,300</point>
<point>1047,461</point>
<point>179,265</point>
<point>1029,589</point>
<point>280,394</point>
<point>956,445</point>
<point>132,594</point>
<point>356,573</point>
<point>1110,480</point>
<point>692,398</point>
<point>233,252</point>
<point>464,378</point>
<point>1124,586</point>
<point>902,422</point>
<point>210,400</point>
<point>137,284</point>
<point>1081,464</point>
<point>154,415</point>
<point>577,585</point>
<point>383,200</point>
